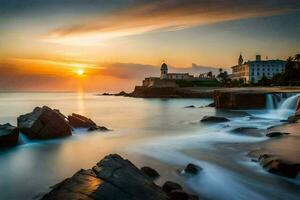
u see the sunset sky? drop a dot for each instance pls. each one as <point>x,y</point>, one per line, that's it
<point>101,45</point>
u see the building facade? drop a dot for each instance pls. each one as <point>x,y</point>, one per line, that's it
<point>253,71</point>
<point>167,79</point>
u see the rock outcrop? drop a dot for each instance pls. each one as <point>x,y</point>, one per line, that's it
<point>150,172</point>
<point>239,99</point>
<point>113,178</point>
<point>248,131</point>
<point>44,123</point>
<point>9,135</point>
<point>79,121</point>
<point>214,119</point>
<point>276,165</point>
<point>276,134</point>
<point>192,169</point>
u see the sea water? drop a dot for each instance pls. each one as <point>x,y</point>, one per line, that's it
<point>160,133</point>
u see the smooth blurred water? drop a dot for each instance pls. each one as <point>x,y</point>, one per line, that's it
<point>155,132</point>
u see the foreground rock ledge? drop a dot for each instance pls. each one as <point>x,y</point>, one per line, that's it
<point>113,178</point>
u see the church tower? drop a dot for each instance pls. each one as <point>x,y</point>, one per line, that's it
<point>240,60</point>
<point>163,71</point>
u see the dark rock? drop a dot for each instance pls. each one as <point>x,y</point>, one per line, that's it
<point>150,172</point>
<point>179,195</point>
<point>283,168</point>
<point>105,94</point>
<point>98,128</point>
<point>211,105</point>
<point>170,186</point>
<point>192,168</point>
<point>249,131</point>
<point>276,134</point>
<point>44,123</point>
<point>276,165</point>
<point>214,119</point>
<point>293,119</point>
<point>122,93</point>
<point>193,197</point>
<point>113,178</point>
<point>191,106</point>
<point>9,135</point>
<point>79,121</point>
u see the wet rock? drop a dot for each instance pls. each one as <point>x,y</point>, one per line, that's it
<point>150,172</point>
<point>44,123</point>
<point>98,128</point>
<point>249,131</point>
<point>113,178</point>
<point>276,165</point>
<point>79,121</point>
<point>211,105</point>
<point>283,168</point>
<point>276,134</point>
<point>214,119</point>
<point>179,195</point>
<point>170,186</point>
<point>191,106</point>
<point>293,119</point>
<point>9,135</point>
<point>122,93</point>
<point>192,168</point>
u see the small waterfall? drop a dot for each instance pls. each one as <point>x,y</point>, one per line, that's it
<point>281,105</point>
<point>23,139</point>
<point>270,102</point>
<point>288,106</point>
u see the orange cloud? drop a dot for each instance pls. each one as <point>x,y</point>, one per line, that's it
<point>165,15</point>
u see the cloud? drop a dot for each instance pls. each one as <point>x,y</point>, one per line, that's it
<point>36,74</point>
<point>166,15</point>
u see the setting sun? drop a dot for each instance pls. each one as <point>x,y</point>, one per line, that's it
<point>79,72</point>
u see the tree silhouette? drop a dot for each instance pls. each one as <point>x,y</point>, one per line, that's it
<point>297,57</point>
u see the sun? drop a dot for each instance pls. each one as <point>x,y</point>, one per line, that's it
<point>80,72</point>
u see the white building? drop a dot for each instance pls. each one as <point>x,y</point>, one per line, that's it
<point>253,71</point>
<point>173,76</point>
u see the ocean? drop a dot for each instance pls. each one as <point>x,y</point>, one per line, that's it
<point>160,133</point>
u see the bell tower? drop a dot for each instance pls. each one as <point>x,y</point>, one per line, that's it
<point>163,71</point>
<point>240,61</point>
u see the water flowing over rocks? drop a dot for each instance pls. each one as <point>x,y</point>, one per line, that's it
<point>113,178</point>
<point>214,119</point>
<point>9,135</point>
<point>44,123</point>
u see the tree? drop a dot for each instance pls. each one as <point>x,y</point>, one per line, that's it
<point>297,57</point>
<point>209,74</point>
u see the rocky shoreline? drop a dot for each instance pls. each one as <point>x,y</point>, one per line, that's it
<point>116,178</point>
<point>44,123</point>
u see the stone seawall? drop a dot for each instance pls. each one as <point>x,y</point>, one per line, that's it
<point>168,92</point>
<point>239,100</point>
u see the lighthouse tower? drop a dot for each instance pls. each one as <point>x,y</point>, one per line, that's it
<point>163,71</point>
